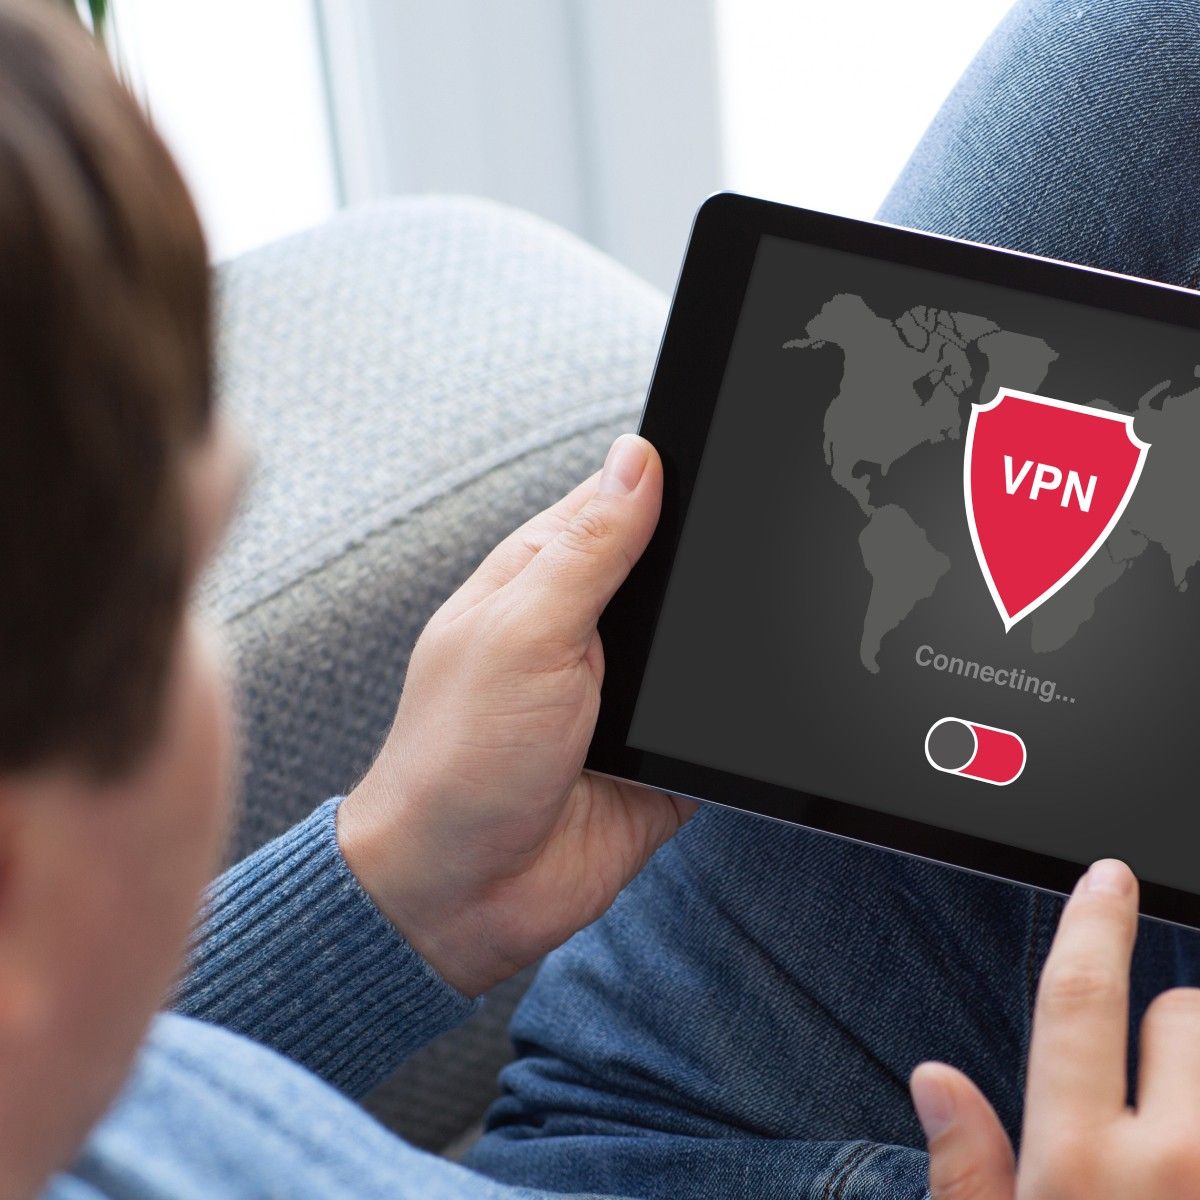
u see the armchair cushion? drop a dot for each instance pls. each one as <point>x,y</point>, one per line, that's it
<point>417,377</point>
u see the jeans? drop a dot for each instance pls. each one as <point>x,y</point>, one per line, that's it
<point>744,1019</point>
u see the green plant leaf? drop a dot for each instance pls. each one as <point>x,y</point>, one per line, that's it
<point>97,11</point>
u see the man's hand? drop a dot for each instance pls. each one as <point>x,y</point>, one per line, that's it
<point>1080,1140</point>
<point>476,831</point>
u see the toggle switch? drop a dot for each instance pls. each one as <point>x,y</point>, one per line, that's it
<point>977,751</point>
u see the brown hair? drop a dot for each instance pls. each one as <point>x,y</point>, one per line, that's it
<point>104,386</point>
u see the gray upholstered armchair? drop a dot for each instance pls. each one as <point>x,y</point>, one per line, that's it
<point>417,378</point>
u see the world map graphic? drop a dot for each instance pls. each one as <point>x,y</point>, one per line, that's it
<point>909,381</point>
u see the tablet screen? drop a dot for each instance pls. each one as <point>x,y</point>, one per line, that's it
<point>940,561</point>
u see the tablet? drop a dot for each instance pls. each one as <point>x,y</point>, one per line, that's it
<point>926,573</point>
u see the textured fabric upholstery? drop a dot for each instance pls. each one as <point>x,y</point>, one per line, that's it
<point>416,378</point>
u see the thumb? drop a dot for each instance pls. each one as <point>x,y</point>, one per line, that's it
<point>970,1157</point>
<point>574,575</point>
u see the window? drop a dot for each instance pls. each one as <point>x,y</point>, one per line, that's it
<point>236,89</point>
<point>821,105</point>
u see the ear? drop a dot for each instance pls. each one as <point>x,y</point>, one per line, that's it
<point>22,987</point>
<point>53,902</point>
<point>49,1087</point>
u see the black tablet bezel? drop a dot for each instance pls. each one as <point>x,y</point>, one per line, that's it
<point>676,418</point>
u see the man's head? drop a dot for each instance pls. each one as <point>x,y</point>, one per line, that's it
<point>115,480</point>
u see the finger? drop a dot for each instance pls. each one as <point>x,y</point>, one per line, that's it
<point>1169,1057</point>
<point>1077,1047</point>
<point>511,555</point>
<point>970,1156</point>
<point>570,580</point>
<point>635,821</point>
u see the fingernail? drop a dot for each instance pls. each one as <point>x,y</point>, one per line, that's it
<point>933,1101</point>
<point>624,465</point>
<point>1109,875</point>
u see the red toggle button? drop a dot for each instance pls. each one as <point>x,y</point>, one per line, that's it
<point>977,751</point>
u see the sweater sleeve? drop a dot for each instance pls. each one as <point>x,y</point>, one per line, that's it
<point>291,952</point>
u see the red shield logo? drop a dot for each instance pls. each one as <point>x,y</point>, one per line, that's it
<point>1045,484</point>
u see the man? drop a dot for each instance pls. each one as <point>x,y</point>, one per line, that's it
<point>473,845</point>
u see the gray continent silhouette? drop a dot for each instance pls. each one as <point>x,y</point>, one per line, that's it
<point>902,384</point>
<point>1161,512</point>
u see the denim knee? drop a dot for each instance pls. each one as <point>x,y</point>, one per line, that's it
<point>1072,134</point>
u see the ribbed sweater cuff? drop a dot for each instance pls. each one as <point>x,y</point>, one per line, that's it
<point>293,953</point>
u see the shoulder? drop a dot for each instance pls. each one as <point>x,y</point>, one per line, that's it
<point>208,1112</point>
